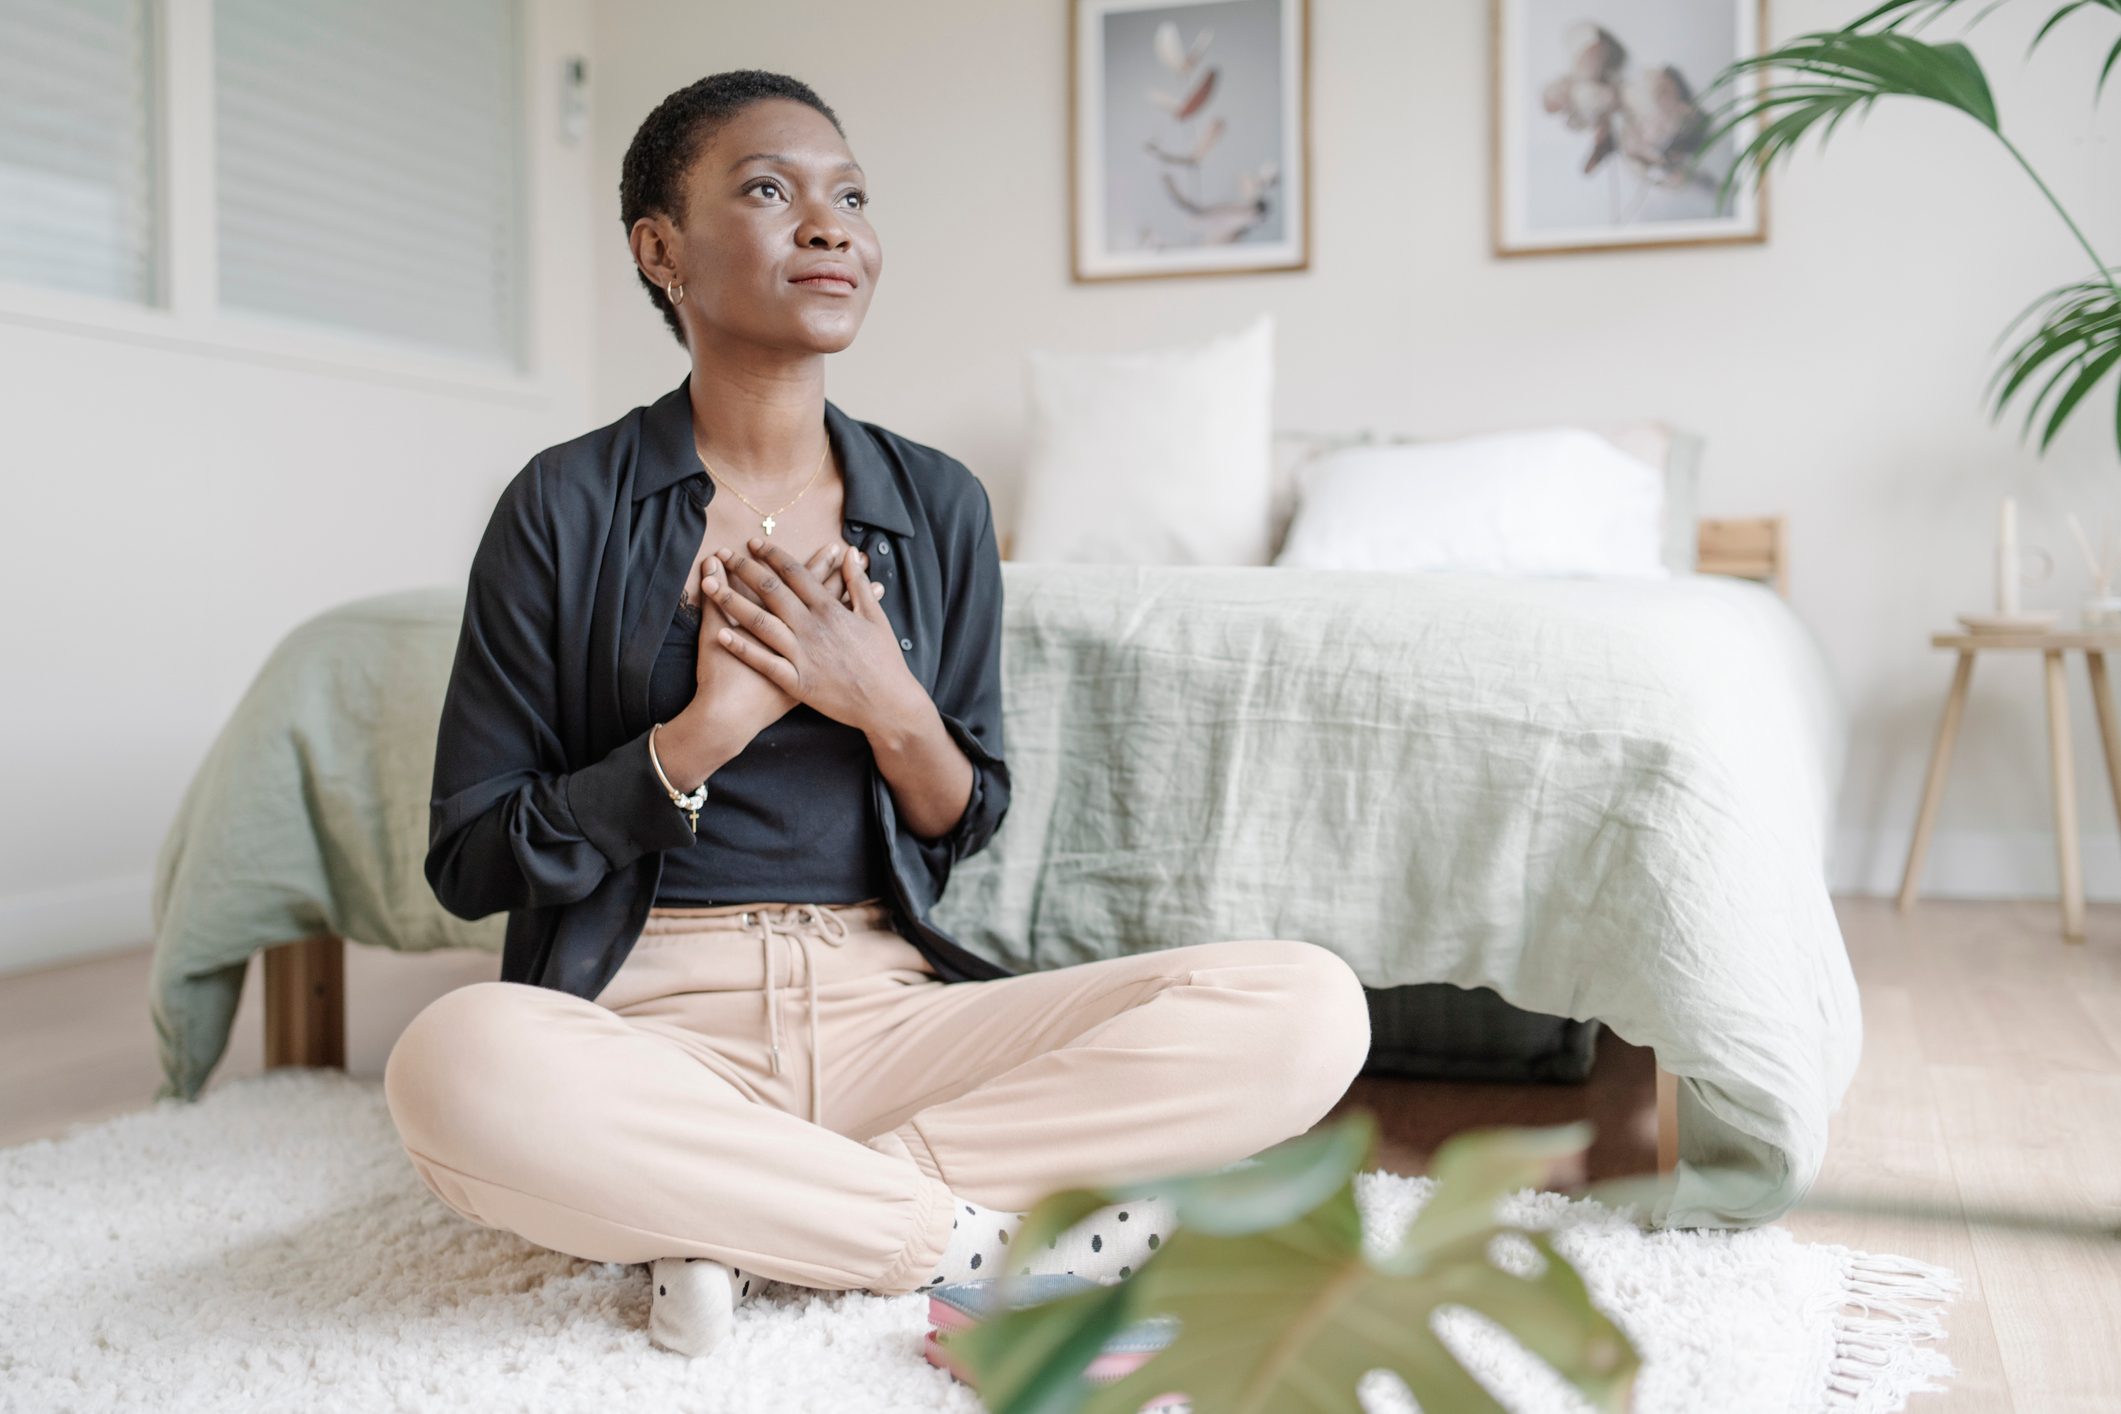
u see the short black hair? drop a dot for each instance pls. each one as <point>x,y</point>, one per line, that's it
<point>652,176</point>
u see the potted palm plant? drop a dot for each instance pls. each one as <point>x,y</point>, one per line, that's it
<point>1816,80</point>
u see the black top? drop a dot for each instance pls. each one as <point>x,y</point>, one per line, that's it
<point>787,817</point>
<point>545,802</point>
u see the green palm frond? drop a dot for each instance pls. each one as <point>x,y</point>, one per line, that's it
<point>2110,6</point>
<point>2077,339</point>
<point>1838,73</point>
<point>1831,74</point>
<point>1895,13</point>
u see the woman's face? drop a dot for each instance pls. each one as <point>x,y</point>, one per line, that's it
<point>774,197</point>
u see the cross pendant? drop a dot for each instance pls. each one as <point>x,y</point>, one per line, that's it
<point>769,525</point>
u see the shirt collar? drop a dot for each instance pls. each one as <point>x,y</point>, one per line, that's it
<point>668,455</point>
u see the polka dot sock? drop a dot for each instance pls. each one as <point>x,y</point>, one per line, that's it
<point>1108,1245</point>
<point>694,1305</point>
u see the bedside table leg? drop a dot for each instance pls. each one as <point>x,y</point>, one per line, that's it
<point>2058,755</point>
<point>1933,788</point>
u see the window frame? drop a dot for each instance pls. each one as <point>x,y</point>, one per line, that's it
<point>189,316</point>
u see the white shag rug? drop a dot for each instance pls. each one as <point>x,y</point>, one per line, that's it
<point>270,1247</point>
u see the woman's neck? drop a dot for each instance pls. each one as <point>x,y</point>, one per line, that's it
<point>759,421</point>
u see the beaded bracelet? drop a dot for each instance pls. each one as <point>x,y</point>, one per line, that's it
<point>690,804</point>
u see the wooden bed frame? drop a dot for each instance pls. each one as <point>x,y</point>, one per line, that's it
<point>305,981</point>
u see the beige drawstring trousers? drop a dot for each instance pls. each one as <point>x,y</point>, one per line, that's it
<point>684,1113</point>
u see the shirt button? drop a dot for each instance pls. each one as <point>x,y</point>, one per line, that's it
<point>883,547</point>
<point>905,643</point>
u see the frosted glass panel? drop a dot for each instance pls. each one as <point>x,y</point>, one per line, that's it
<point>77,190</point>
<point>369,168</point>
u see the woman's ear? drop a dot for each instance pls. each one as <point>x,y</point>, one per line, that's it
<point>651,244</point>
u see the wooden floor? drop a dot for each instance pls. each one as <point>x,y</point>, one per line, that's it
<point>1983,1131</point>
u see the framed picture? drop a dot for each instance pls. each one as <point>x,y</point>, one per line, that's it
<point>1598,123</point>
<point>1189,137</point>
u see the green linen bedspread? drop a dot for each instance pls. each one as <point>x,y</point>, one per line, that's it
<point>1602,798</point>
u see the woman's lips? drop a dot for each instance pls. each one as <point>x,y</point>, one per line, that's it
<point>831,284</point>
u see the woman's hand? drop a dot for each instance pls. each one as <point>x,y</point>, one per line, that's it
<point>803,633</point>
<point>741,703</point>
<point>731,702</point>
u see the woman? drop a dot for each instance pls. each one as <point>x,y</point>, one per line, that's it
<point>716,754</point>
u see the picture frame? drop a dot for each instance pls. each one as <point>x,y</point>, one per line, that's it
<point>1593,104</point>
<point>1189,137</point>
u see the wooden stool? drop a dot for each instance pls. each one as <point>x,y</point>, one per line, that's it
<point>2094,644</point>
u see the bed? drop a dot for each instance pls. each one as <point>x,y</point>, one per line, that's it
<point>1520,808</point>
<point>1597,803</point>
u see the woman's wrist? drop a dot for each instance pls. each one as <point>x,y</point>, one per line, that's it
<point>690,750</point>
<point>910,715</point>
<point>931,777</point>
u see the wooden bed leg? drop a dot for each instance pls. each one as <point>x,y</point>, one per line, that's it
<point>1667,1120</point>
<point>305,1003</point>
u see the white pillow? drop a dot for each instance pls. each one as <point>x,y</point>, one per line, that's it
<point>1161,457</point>
<point>1560,501</point>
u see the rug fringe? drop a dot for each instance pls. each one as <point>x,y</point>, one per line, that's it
<point>1886,1314</point>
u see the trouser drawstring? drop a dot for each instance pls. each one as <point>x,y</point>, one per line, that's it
<point>803,936</point>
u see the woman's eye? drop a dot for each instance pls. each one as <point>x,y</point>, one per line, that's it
<point>861,197</point>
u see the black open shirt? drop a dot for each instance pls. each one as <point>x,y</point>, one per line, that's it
<point>545,801</point>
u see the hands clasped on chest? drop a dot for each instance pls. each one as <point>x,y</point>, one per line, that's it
<point>814,633</point>
<point>799,641</point>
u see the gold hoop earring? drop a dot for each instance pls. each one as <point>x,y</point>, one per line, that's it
<point>676,290</point>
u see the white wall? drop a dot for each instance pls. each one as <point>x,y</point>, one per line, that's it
<point>174,507</point>
<point>1837,371</point>
<point>179,497</point>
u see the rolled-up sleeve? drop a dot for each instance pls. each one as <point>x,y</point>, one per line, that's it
<point>968,684</point>
<point>509,825</point>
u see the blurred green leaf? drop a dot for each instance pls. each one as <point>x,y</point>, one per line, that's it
<point>1471,1169</point>
<point>1031,1361</point>
<point>1898,12</point>
<point>1280,1185</point>
<point>1280,1308</point>
<point>2079,333</point>
<point>1839,72</point>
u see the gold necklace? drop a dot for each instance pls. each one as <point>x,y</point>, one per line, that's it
<point>768,516</point>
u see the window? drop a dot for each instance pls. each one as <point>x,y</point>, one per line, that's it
<point>369,168</point>
<point>77,147</point>
<point>313,183</point>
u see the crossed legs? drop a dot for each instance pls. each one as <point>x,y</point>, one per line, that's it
<point>630,1137</point>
